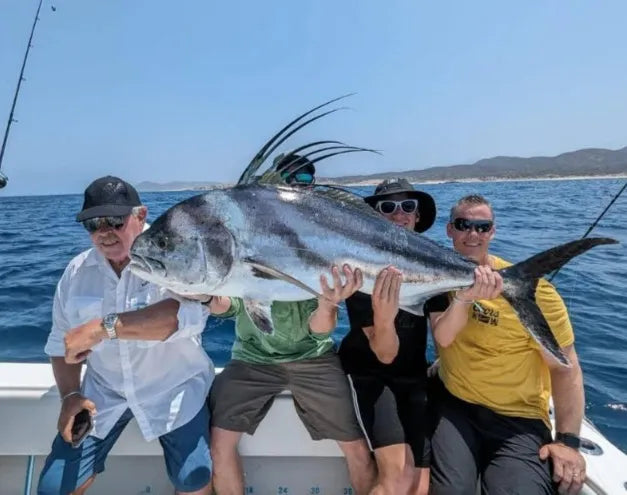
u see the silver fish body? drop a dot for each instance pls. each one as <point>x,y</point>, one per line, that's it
<point>265,243</point>
<point>300,233</point>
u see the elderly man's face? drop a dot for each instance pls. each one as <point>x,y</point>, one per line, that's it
<point>115,243</point>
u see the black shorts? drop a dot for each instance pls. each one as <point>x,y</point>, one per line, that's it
<point>471,441</point>
<point>242,395</point>
<point>392,411</point>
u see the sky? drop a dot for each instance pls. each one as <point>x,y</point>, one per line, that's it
<point>190,90</point>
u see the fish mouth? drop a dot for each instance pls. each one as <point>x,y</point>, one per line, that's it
<point>147,264</point>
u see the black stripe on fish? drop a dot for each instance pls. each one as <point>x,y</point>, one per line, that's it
<point>218,241</point>
<point>292,240</point>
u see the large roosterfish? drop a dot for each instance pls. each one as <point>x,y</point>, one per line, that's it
<point>265,241</point>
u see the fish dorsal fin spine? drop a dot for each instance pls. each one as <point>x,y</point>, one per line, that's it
<point>249,176</point>
<point>262,155</point>
<point>272,175</point>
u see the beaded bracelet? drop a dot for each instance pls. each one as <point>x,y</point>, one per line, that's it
<point>463,301</point>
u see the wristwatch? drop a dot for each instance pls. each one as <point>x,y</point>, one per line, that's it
<point>569,439</point>
<point>108,323</point>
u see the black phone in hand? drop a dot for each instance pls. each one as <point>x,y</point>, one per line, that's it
<point>81,427</point>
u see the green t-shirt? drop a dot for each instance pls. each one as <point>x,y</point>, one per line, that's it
<point>291,340</point>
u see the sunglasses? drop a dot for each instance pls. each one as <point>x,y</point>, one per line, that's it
<point>466,225</point>
<point>94,224</point>
<point>304,178</point>
<point>387,206</point>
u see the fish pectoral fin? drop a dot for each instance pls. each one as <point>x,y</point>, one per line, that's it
<point>266,271</point>
<point>416,308</point>
<point>260,314</point>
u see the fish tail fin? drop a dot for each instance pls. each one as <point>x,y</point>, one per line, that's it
<point>520,281</point>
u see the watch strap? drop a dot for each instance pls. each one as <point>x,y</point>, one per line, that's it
<point>569,439</point>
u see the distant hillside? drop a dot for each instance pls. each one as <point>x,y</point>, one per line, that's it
<point>585,162</point>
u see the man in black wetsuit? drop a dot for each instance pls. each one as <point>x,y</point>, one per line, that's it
<point>384,357</point>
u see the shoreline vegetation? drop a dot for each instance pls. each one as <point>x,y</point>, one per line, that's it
<point>166,187</point>
<point>365,183</point>
<point>583,164</point>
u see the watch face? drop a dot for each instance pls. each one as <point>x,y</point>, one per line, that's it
<point>109,320</point>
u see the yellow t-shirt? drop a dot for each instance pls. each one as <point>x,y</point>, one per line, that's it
<point>496,363</point>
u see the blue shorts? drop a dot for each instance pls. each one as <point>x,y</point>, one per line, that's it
<point>186,453</point>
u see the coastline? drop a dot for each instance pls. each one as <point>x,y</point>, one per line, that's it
<point>371,182</point>
<point>482,179</point>
<point>364,183</point>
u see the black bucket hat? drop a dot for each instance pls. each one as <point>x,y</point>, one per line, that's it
<point>426,204</point>
<point>108,197</point>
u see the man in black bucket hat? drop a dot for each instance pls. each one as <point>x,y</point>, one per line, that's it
<point>394,196</point>
<point>384,356</point>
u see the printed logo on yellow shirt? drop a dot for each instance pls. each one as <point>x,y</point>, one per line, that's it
<point>485,315</point>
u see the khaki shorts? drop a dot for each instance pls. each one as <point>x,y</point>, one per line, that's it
<point>243,393</point>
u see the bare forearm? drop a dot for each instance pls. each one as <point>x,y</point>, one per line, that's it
<point>323,319</point>
<point>568,397</point>
<point>155,322</point>
<point>450,323</point>
<point>67,376</point>
<point>220,305</point>
<point>383,341</point>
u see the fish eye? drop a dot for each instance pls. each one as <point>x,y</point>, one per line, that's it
<point>161,243</point>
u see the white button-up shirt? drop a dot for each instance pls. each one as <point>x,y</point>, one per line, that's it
<point>164,384</point>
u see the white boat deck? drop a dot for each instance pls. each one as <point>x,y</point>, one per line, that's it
<point>279,459</point>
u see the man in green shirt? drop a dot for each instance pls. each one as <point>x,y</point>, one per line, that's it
<point>298,356</point>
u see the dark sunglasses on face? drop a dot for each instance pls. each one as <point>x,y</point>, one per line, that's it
<point>94,224</point>
<point>303,178</point>
<point>387,206</point>
<point>466,225</point>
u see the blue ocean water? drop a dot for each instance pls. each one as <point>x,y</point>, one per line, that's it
<point>38,236</point>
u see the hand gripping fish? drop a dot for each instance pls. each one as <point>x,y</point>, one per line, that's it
<point>264,241</point>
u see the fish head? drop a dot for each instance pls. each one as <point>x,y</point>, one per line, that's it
<point>188,249</point>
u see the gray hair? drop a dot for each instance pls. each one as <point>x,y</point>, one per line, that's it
<point>136,209</point>
<point>471,199</point>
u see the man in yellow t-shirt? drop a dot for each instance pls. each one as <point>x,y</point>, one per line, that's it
<point>493,417</point>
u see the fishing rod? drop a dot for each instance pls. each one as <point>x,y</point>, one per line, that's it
<point>596,221</point>
<point>3,178</point>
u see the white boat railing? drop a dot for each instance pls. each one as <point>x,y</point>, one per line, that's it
<point>279,459</point>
